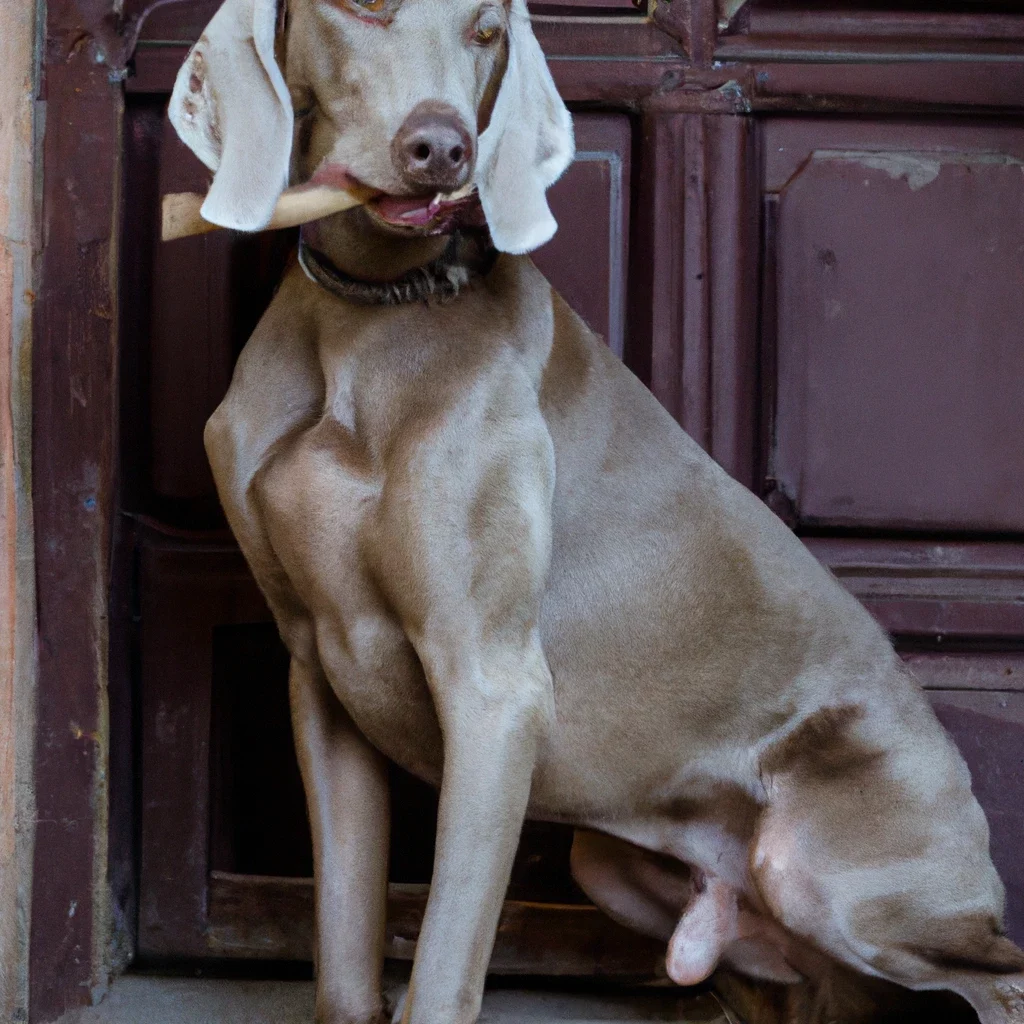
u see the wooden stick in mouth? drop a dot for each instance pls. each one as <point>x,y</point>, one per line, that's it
<point>182,219</point>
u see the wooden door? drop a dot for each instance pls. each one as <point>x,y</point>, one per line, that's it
<point>225,851</point>
<point>797,221</point>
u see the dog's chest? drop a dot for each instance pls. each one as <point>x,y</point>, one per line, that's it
<point>316,502</point>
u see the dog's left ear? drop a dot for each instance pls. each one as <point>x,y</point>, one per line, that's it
<point>526,147</point>
<point>231,107</point>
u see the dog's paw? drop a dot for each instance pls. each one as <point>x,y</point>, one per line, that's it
<point>332,1018</point>
<point>337,1017</point>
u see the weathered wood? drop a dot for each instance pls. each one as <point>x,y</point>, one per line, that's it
<point>989,730</point>
<point>654,349</point>
<point>898,351</point>
<point>272,918</point>
<point>74,446</point>
<point>859,80</point>
<point>592,207</point>
<point>910,28</point>
<point>185,593</point>
<point>704,175</point>
<point>17,599</point>
<point>944,592</point>
<point>733,225</point>
<point>695,369</point>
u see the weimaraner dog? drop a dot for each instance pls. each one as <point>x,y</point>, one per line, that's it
<point>498,562</point>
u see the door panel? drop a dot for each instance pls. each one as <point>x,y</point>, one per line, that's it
<point>223,809</point>
<point>989,729</point>
<point>852,414</point>
<point>587,261</point>
<point>189,302</point>
<point>212,289</point>
<point>591,7</point>
<point>1001,671</point>
<point>898,322</point>
<point>203,299</point>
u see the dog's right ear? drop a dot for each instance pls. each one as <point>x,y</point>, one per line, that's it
<point>527,146</point>
<point>231,107</point>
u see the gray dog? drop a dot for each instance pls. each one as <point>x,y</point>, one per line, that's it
<point>498,562</point>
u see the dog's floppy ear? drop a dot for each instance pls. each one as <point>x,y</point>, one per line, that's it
<point>526,147</point>
<point>231,107</point>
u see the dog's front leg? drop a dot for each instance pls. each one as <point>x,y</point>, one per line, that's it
<point>347,795</point>
<point>493,711</point>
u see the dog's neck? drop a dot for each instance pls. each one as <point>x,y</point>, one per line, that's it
<point>358,262</point>
<point>361,250</point>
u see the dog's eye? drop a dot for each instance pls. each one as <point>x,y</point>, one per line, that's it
<point>373,6</point>
<point>488,27</point>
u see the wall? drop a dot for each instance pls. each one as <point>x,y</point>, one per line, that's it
<point>17,598</point>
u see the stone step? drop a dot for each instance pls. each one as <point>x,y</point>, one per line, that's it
<point>136,999</point>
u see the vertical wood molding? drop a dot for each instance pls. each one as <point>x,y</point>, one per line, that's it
<point>703,30</point>
<point>74,458</point>
<point>17,597</point>
<point>696,368</point>
<point>733,229</point>
<point>674,18</point>
<point>694,317</point>
<point>655,344</point>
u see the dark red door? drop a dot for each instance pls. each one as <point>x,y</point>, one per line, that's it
<point>799,224</point>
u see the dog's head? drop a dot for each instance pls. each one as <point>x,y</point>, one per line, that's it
<point>409,98</point>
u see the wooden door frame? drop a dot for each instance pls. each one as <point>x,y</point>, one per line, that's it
<point>678,78</point>
<point>74,458</point>
<point>17,599</point>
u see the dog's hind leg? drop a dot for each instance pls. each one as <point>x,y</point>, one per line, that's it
<point>874,850</point>
<point>642,890</point>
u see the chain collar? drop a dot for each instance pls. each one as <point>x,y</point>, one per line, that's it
<point>469,257</point>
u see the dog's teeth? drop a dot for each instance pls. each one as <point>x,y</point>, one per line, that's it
<point>454,197</point>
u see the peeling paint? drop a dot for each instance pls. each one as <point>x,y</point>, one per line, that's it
<point>917,169</point>
<point>733,91</point>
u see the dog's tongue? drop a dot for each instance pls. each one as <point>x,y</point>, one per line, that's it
<point>414,212</point>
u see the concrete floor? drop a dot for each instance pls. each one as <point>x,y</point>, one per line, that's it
<point>154,1000</point>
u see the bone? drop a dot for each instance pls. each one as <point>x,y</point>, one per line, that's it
<point>300,205</point>
<point>182,217</point>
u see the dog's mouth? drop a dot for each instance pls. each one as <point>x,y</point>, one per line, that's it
<point>436,215</point>
<point>420,215</point>
<point>420,212</point>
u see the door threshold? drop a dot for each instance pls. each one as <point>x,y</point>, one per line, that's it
<point>168,1000</point>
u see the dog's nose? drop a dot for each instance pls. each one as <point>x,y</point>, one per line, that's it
<point>433,150</point>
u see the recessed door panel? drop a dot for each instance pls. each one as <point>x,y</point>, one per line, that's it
<point>898,324</point>
<point>587,259</point>
<point>989,730</point>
